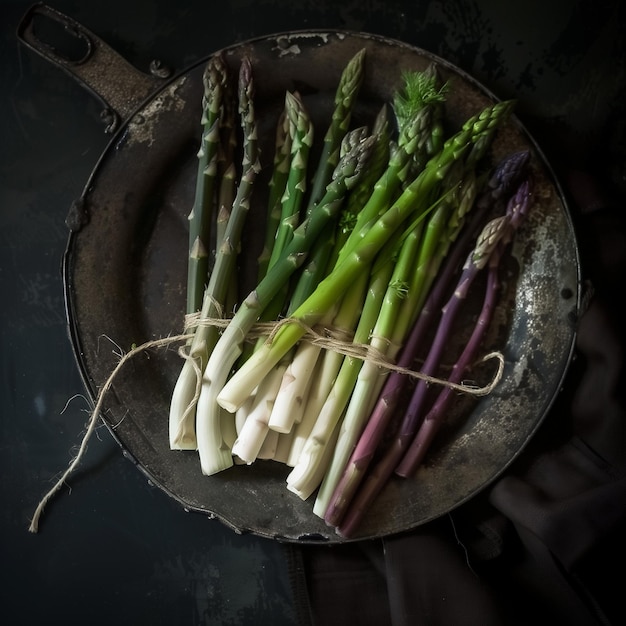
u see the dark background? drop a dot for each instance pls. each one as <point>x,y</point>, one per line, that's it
<point>111,548</point>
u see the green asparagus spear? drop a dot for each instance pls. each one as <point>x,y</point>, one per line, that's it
<point>201,216</point>
<point>345,97</point>
<point>277,184</point>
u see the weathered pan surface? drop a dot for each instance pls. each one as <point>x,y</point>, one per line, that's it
<point>126,274</point>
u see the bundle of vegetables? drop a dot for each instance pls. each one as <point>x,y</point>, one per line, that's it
<point>356,253</point>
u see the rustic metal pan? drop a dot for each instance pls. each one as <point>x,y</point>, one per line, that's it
<point>125,269</point>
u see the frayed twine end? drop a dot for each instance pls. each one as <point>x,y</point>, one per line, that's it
<point>93,419</point>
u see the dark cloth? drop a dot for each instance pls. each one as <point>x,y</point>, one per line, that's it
<point>542,543</point>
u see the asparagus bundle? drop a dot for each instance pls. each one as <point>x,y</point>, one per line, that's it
<point>357,251</point>
<point>415,198</point>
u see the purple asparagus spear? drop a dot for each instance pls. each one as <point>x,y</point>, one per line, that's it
<point>518,208</point>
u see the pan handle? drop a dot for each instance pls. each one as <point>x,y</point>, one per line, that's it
<point>94,64</point>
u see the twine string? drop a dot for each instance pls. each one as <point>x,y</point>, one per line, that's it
<point>326,338</point>
<point>93,420</point>
<point>340,341</point>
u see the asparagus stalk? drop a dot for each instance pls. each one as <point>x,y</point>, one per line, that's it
<point>283,445</point>
<point>301,130</point>
<point>415,200</point>
<point>346,510</point>
<point>214,78</point>
<point>346,94</point>
<point>255,429</point>
<point>227,170</point>
<point>296,378</point>
<point>277,184</point>
<point>214,457</point>
<point>182,408</point>
<point>269,446</point>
